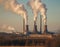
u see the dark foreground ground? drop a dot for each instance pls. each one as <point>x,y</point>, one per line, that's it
<point>9,40</point>
<point>21,46</point>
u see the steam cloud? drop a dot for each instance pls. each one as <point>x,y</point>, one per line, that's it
<point>7,28</point>
<point>11,28</point>
<point>17,8</point>
<point>38,6</point>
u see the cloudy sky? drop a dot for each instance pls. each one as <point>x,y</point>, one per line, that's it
<point>8,17</point>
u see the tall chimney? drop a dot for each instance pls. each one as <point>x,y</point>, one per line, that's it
<point>35,27</point>
<point>45,26</point>
<point>45,29</point>
<point>24,26</point>
<point>27,29</point>
<point>40,24</point>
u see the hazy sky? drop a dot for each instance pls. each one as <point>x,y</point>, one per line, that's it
<point>53,16</point>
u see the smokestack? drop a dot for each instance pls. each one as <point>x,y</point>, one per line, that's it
<point>35,27</point>
<point>35,20</point>
<point>24,26</point>
<point>27,29</point>
<point>45,29</point>
<point>26,22</point>
<point>40,24</point>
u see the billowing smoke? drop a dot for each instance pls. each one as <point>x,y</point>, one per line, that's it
<point>17,8</point>
<point>43,11</point>
<point>34,7</point>
<point>38,6</point>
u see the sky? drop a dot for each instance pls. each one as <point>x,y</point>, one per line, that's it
<point>10,18</point>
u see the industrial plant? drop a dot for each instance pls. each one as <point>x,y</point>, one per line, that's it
<point>34,38</point>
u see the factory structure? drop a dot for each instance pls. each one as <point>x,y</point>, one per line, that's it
<point>36,38</point>
<point>37,6</point>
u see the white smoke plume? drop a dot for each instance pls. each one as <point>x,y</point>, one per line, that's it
<point>17,8</point>
<point>34,8</point>
<point>38,6</point>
